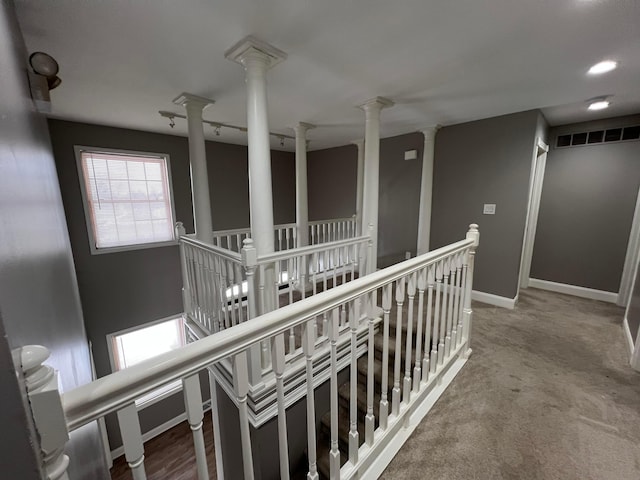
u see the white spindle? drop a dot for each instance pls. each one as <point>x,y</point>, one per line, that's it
<point>132,440</point>
<point>463,295</point>
<point>241,388</point>
<point>41,383</point>
<point>354,319</point>
<point>417,371</point>
<point>443,311</point>
<point>456,305</point>
<point>396,393</point>
<point>452,282</point>
<point>411,293</point>
<point>308,347</point>
<point>369,419</point>
<point>436,319</point>
<point>334,453</point>
<point>384,402</point>
<point>195,416</point>
<point>427,328</point>
<point>278,362</point>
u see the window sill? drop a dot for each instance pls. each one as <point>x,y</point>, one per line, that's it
<point>158,395</point>
<point>136,246</point>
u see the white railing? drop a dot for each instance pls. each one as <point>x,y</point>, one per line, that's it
<point>332,230</point>
<point>436,338</point>
<point>219,284</point>
<point>286,234</point>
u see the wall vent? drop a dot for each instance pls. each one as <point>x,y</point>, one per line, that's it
<point>622,134</point>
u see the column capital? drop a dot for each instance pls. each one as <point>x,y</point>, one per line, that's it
<point>302,127</point>
<point>190,101</point>
<point>376,104</point>
<point>250,50</point>
<point>430,132</point>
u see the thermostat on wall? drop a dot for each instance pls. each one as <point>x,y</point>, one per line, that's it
<point>489,209</point>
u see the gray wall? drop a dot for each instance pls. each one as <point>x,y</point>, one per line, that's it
<point>39,301</point>
<point>332,191</point>
<point>486,161</point>
<point>588,199</point>
<point>399,197</point>
<point>126,289</point>
<point>331,182</point>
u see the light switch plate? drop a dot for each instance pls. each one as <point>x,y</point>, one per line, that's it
<point>489,209</point>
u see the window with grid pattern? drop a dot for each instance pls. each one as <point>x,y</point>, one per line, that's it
<point>127,197</point>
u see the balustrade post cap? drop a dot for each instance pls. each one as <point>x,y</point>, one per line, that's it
<point>474,234</point>
<point>32,357</point>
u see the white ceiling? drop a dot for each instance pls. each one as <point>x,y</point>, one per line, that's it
<point>442,62</point>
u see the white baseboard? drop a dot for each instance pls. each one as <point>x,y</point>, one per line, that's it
<point>496,300</point>
<point>159,430</point>
<point>627,335</point>
<point>574,290</point>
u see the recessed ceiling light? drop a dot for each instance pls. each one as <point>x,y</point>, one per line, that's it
<point>603,67</point>
<point>599,105</point>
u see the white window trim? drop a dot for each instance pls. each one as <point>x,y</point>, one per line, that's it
<point>78,149</point>
<point>141,405</point>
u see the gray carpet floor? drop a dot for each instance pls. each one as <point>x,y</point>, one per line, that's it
<point>547,394</point>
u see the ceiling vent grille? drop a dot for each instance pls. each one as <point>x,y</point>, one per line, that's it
<point>621,134</point>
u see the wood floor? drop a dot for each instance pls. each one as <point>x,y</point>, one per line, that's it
<point>171,456</point>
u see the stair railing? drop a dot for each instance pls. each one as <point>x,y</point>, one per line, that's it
<point>285,235</point>
<point>441,348</point>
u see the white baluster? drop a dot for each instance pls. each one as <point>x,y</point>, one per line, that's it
<point>384,402</point>
<point>443,312</point>
<point>195,416</point>
<point>456,303</point>
<point>396,393</point>
<point>278,362</point>
<point>308,346</point>
<point>427,328</point>
<point>354,318</point>
<point>436,319</point>
<point>452,282</point>
<point>241,388</point>
<point>238,298</point>
<point>46,409</point>
<point>417,371</point>
<point>369,419</point>
<point>463,261</point>
<point>334,453</point>
<point>132,440</point>
<point>261,279</point>
<point>411,293</point>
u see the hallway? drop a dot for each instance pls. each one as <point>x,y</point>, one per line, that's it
<point>547,394</point>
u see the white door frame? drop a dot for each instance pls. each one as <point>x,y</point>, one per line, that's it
<point>538,165</point>
<point>631,259</point>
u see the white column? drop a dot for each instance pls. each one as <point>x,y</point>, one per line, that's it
<point>359,185</point>
<point>426,189</point>
<point>372,109</point>
<point>198,162</point>
<point>302,201</point>
<point>257,57</point>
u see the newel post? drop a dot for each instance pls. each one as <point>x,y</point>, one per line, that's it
<point>186,290</point>
<point>259,355</point>
<point>473,234</point>
<point>46,410</point>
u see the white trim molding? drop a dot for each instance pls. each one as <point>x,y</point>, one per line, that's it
<point>496,300</point>
<point>627,336</point>
<point>631,258</point>
<point>593,294</point>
